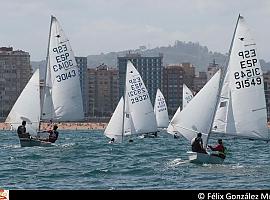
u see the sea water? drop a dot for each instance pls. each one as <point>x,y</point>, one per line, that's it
<point>85,160</point>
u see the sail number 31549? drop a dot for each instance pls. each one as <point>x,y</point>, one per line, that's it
<point>249,73</point>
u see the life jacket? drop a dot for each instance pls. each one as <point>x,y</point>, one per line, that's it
<point>223,152</point>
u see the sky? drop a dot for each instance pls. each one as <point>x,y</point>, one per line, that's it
<point>103,26</point>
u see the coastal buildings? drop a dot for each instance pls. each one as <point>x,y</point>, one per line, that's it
<point>174,76</point>
<point>103,91</point>
<point>15,71</point>
<point>82,64</point>
<point>266,78</point>
<point>212,69</point>
<point>199,81</point>
<point>150,69</point>
<point>101,86</point>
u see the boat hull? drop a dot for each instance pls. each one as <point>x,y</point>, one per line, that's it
<point>150,135</point>
<point>27,142</point>
<point>202,158</point>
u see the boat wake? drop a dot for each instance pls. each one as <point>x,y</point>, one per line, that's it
<point>66,145</point>
<point>11,146</point>
<point>176,162</point>
<point>237,166</point>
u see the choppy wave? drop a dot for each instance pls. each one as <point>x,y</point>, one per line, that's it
<point>85,160</point>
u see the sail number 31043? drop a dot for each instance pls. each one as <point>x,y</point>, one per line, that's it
<point>65,76</point>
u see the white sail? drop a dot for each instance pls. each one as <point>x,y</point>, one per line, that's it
<point>47,106</point>
<point>139,102</point>
<point>220,122</point>
<point>198,114</point>
<point>63,73</point>
<point>129,128</point>
<point>242,108</point>
<point>187,96</point>
<point>27,106</point>
<point>247,86</point>
<point>115,125</point>
<point>161,111</point>
<point>171,130</point>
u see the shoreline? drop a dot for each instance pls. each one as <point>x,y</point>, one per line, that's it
<point>67,126</point>
<point>72,126</point>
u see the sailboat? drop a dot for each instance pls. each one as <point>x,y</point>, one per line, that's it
<point>186,98</point>
<point>61,99</point>
<point>161,111</point>
<point>188,123</point>
<point>233,102</point>
<point>118,130</point>
<point>242,108</point>
<point>27,108</point>
<point>134,114</point>
<point>187,95</point>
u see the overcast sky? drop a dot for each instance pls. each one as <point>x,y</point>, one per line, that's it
<point>96,26</point>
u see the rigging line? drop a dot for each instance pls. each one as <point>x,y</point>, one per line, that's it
<point>254,110</point>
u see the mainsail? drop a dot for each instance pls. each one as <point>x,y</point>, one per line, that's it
<point>62,98</point>
<point>140,106</point>
<point>242,110</point>
<point>161,111</point>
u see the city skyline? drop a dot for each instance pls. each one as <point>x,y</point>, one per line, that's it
<point>102,26</point>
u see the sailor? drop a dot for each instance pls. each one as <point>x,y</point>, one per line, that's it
<point>22,131</point>
<point>112,141</point>
<point>155,134</point>
<point>175,136</point>
<point>53,134</point>
<point>197,144</point>
<point>220,148</point>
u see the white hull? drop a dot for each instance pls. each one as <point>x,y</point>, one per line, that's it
<point>202,158</point>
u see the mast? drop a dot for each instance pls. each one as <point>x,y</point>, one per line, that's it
<point>124,106</point>
<point>222,80</point>
<point>47,61</point>
<point>123,118</point>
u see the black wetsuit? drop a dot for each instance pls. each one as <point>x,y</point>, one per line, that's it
<point>53,136</point>
<point>22,132</point>
<point>197,145</point>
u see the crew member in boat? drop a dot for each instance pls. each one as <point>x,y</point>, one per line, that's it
<point>155,134</point>
<point>53,134</point>
<point>112,141</point>
<point>175,136</point>
<point>197,144</point>
<point>220,148</point>
<point>22,131</point>
<point>49,126</point>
